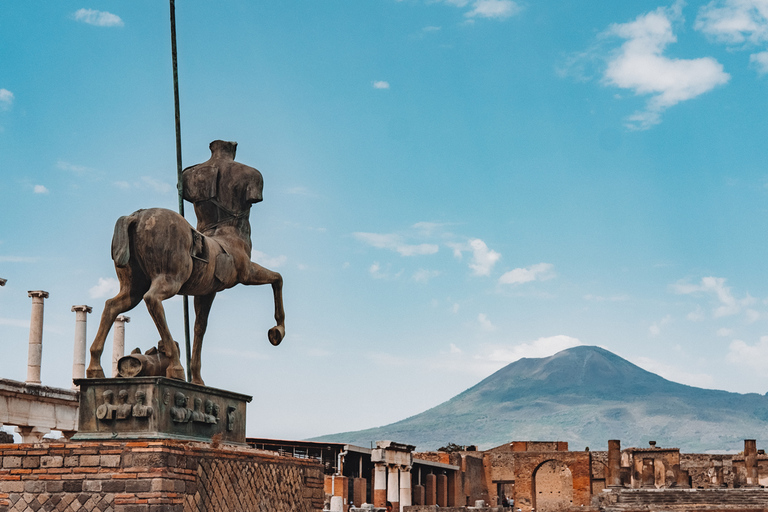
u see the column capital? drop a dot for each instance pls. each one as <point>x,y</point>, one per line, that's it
<point>87,309</point>
<point>122,318</point>
<point>38,293</point>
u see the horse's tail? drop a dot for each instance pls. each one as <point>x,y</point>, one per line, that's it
<point>121,251</point>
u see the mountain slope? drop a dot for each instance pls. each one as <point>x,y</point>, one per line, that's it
<point>583,395</point>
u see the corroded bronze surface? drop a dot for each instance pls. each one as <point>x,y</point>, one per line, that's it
<point>159,408</point>
<point>157,255</point>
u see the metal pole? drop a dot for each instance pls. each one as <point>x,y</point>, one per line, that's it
<point>179,186</point>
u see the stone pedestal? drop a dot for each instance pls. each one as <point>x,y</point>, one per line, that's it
<point>159,408</point>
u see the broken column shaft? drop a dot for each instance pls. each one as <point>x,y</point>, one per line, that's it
<point>35,353</point>
<point>118,341</point>
<point>78,360</point>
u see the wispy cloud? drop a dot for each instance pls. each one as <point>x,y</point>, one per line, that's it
<point>675,374</point>
<point>6,99</point>
<point>752,356</point>
<point>640,66</point>
<point>78,170</point>
<point>497,9</point>
<point>485,323</point>
<point>380,84</point>
<point>266,260</point>
<point>40,189</point>
<point>424,275</point>
<point>395,242</point>
<point>735,21</point>
<point>18,259</point>
<point>760,62</point>
<point>107,287</point>
<point>537,272</point>
<point>98,18</point>
<point>655,328</point>
<point>715,286</point>
<point>542,347</point>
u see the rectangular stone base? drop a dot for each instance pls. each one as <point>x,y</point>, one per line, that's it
<point>159,408</point>
<point>155,476</point>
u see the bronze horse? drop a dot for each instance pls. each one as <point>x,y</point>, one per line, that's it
<point>158,254</point>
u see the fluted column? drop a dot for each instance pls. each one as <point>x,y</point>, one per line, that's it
<point>35,354</point>
<point>78,360</point>
<point>118,341</point>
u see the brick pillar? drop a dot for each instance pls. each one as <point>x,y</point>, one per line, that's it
<point>442,490</point>
<point>78,359</point>
<point>380,485</point>
<point>405,486</point>
<point>613,473</point>
<point>35,354</point>
<point>750,461</point>
<point>118,341</point>
<point>393,487</point>
<point>431,489</point>
<point>418,495</point>
<point>360,490</point>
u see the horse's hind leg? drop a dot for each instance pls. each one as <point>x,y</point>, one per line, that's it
<point>164,287</point>
<point>260,275</point>
<point>202,309</point>
<point>126,299</point>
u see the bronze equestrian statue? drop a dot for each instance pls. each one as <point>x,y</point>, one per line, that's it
<point>158,254</point>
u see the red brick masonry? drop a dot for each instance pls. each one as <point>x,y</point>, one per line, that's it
<point>154,476</point>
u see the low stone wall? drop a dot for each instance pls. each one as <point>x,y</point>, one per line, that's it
<point>154,476</point>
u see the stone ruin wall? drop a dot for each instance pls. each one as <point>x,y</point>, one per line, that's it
<point>154,476</point>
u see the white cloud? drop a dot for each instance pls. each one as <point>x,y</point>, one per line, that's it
<point>13,322</point>
<point>158,186</point>
<point>613,298</point>
<point>724,333</point>
<point>483,258</point>
<point>380,84</point>
<point>754,356</point>
<point>542,347</point>
<point>6,99</point>
<point>537,272</point>
<point>395,243</point>
<point>423,275</point>
<point>98,18</point>
<point>760,62</point>
<point>675,374</point>
<point>655,328</point>
<point>735,21</point>
<point>752,315</point>
<point>375,271</point>
<point>640,66</point>
<point>485,323</point>
<point>729,305</point>
<point>105,289</point>
<point>454,349</point>
<point>79,170</point>
<point>696,315</point>
<point>455,308</point>
<point>498,9</point>
<point>40,189</point>
<point>266,260</point>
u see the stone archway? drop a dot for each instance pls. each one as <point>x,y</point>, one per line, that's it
<point>552,487</point>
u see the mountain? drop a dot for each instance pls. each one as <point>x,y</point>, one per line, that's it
<point>586,396</point>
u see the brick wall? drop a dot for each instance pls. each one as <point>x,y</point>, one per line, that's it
<point>154,476</point>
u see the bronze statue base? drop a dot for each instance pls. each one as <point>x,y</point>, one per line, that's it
<point>159,408</point>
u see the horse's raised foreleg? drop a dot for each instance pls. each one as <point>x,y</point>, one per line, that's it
<point>164,287</point>
<point>202,308</point>
<point>260,275</point>
<point>126,299</point>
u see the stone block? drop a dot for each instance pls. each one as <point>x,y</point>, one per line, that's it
<point>11,462</point>
<point>162,484</point>
<point>91,485</point>
<point>90,460</point>
<point>71,461</point>
<point>34,486</point>
<point>134,486</point>
<point>11,486</point>
<point>73,485</point>
<point>31,462</point>
<point>113,486</point>
<point>109,461</point>
<point>51,461</point>
<point>52,486</point>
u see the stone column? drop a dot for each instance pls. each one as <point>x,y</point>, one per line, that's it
<point>380,485</point>
<point>118,341</point>
<point>393,487</point>
<point>750,461</point>
<point>78,360</point>
<point>405,486</point>
<point>613,471</point>
<point>35,353</point>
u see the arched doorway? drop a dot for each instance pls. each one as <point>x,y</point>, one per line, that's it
<point>552,487</point>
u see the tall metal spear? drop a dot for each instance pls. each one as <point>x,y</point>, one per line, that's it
<point>179,186</point>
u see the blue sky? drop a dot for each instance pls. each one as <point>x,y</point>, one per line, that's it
<point>449,186</point>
